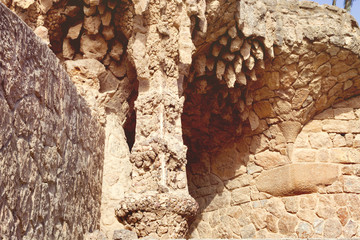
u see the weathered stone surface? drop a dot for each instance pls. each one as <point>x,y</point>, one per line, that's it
<point>276,68</point>
<point>290,130</point>
<point>116,50</point>
<point>92,24</point>
<point>239,196</point>
<point>287,224</point>
<point>228,163</point>
<point>320,140</point>
<point>93,46</point>
<point>68,50</point>
<point>74,31</point>
<point>304,230</point>
<point>296,178</point>
<point>332,228</point>
<point>124,235</point>
<point>96,235</point>
<point>58,144</point>
<point>268,159</point>
<point>43,33</point>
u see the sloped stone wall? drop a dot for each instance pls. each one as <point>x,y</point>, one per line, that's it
<point>51,147</point>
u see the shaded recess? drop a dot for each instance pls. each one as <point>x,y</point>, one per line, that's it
<point>130,122</point>
<point>120,82</point>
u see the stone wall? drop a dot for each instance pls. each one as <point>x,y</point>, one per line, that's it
<point>252,73</point>
<point>90,38</point>
<point>51,147</point>
<point>314,196</point>
<point>253,87</point>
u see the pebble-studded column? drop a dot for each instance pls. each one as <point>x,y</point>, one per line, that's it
<point>161,49</point>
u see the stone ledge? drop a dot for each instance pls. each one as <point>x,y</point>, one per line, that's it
<point>297,178</point>
<point>180,204</point>
<point>157,215</point>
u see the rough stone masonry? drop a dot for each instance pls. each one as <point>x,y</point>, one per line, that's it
<point>222,119</point>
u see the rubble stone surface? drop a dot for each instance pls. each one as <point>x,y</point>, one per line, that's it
<point>51,146</point>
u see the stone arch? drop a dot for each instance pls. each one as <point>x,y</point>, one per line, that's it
<point>303,72</point>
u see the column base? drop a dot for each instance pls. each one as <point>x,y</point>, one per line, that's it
<point>158,215</point>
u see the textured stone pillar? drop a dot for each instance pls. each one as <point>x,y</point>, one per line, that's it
<point>159,204</point>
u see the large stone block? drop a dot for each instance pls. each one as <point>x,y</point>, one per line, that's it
<point>297,178</point>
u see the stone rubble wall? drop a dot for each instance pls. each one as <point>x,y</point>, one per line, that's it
<point>51,147</point>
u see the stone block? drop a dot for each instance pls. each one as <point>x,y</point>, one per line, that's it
<point>302,141</point>
<point>238,182</point>
<point>291,204</point>
<point>354,126</point>
<point>287,224</point>
<point>217,201</point>
<point>299,97</point>
<point>297,178</point>
<point>93,46</point>
<point>264,109</point>
<point>269,159</point>
<point>304,155</point>
<point>74,31</point>
<point>258,217</point>
<point>350,229</point>
<point>323,155</point>
<point>332,228</point>
<point>344,113</point>
<point>336,126</point>
<point>307,215</point>
<point>124,234</point>
<point>352,184</point>
<point>320,140</point>
<point>304,230</point>
<point>92,24</point>
<point>290,130</point>
<point>344,155</point>
<point>326,114</point>
<point>343,215</point>
<point>339,141</point>
<point>248,231</point>
<point>271,223</point>
<point>240,196</point>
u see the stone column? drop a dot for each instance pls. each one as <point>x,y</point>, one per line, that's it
<point>159,204</point>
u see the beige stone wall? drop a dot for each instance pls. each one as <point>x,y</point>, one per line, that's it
<point>315,195</point>
<point>245,105</point>
<point>116,179</point>
<point>260,70</point>
<point>51,147</point>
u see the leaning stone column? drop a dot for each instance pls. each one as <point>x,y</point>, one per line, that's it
<point>159,204</point>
